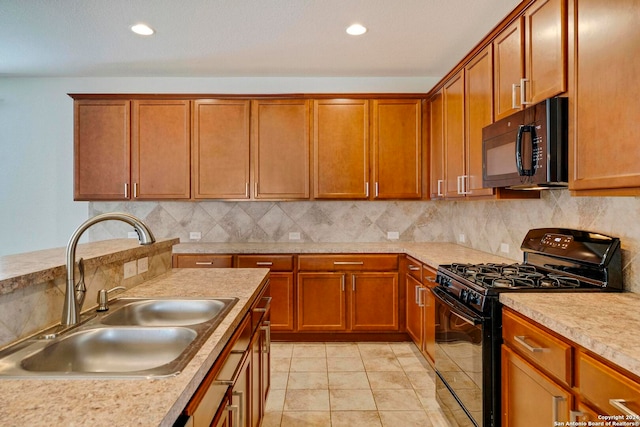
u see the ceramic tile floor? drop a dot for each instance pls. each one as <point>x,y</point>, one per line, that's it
<point>351,385</point>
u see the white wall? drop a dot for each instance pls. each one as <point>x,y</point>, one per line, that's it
<point>36,141</point>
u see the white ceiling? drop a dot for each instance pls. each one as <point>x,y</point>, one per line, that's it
<point>215,38</point>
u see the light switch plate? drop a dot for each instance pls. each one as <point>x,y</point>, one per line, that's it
<point>130,269</point>
<point>143,265</point>
<point>504,247</point>
<point>462,238</point>
<point>294,235</point>
<point>393,235</point>
<point>195,235</point>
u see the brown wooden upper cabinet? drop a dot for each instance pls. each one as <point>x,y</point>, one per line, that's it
<point>102,144</point>
<point>397,140</point>
<point>281,141</point>
<point>220,149</point>
<point>161,147</point>
<point>606,158</point>
<point>340,148</point>
<point>530,57</point>
<point>436,144</point>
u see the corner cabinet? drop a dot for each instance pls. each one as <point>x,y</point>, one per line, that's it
<point>606,159</point>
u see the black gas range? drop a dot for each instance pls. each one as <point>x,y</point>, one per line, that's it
<point>469,317</point>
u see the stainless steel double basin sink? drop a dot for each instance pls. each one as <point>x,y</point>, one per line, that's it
<point>137,337</point>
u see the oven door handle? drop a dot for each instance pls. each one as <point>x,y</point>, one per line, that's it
<point>458,309</point>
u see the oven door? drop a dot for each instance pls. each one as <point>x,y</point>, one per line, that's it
<point>459,361</point>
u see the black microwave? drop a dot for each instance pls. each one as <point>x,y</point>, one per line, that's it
<point>528,150</point>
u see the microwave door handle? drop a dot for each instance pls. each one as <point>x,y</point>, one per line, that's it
<point>521,130</point>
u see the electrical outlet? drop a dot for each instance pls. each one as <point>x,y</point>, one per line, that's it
<point>195,235</point>
<point>393,235</point>
<point>462,238</point>
<point>294,235</point>
<point>143,265</point>
<point>130,269</point>
<point>504,247</point>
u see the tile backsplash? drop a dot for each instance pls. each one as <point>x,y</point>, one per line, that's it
<point>489,226</point>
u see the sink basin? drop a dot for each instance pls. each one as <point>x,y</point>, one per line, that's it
<point>137,338</point>
<point>166,312</point>
<point>111,350</point>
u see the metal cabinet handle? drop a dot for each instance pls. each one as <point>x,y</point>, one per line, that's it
<point>246,190</point>
<point>458,185</point>
<point>255,189</point>
<point>376,190</point>
<point>555,401</point>
<point>266,327</point>
<point>342,280</point>
<point>440,182</point>
<point>235,413</point>
<point>353,283</point>
<point>420,298</point>
<point>348,262</point>
<point>414,267</point>
<point>126,190</point>
<point>430,279</point>
<point>520,339</point>
<point>514,105</point>
<point>366,189</point>
<point>416,298</point>
<point>523,92</point>
<point>241,409</point>
<point>265,263</point>
<point>135,190</point>
<point>266,306</point>
<point>619,404</point>
<point>575,415</point>
<point>204,262</point>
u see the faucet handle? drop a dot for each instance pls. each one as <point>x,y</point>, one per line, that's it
<point>103,298</point>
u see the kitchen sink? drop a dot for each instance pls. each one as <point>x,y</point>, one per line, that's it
<point>165,312</point>
<point>111,350</point>
<point>137,338</point>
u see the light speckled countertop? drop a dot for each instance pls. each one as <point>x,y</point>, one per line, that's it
<point>431,254</point>
<point>608,324</point>
<point>135,402</point>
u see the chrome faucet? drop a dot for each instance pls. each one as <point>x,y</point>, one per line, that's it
<point>72,307</point>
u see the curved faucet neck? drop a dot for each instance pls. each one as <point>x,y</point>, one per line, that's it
<point>71,310</point>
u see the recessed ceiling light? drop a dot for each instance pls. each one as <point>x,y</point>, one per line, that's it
<point>142,29</point>
<point>356,30</point>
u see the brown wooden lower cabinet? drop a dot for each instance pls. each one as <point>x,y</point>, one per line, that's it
<point>202,261</point>
<point>528,396</point>
<point>546,378</point>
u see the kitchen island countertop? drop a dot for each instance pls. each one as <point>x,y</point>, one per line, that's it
<point>135,402</point>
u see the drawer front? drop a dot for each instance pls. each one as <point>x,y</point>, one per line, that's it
<point>202,261</point>
<point>414,268</point>
<point>274,262</point>
<point>348,262</point>
<point>429,276</point>
<point>537,346</point>
<point>606,388</point>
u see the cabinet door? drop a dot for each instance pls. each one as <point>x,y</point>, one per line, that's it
<point>340,149</point>
<point>478,114</point>
<point>508,69</point>
<point>161,143</point>
<point>397,137</point>
<point>606,108</point>
<point>374,301</point>
<point>220,167</point>
<point>454,135</point>
<point>321,302</point>
<point>430,320</point>
<point>436,128</point>
<point>414,314</point>
<point>546,49</point>
<point>282,301</point>
<point>102,161</point>
<point>529,396</point>
<point>281,148</point>
<point>241,393</point>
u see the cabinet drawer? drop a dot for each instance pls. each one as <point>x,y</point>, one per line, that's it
<point>274,262</point>
<point>348,262</point>
<point>607,389</point>
<point>537,346</point>
<point>414,268</point>
<point>202,261</point>
<point>429,276</point>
